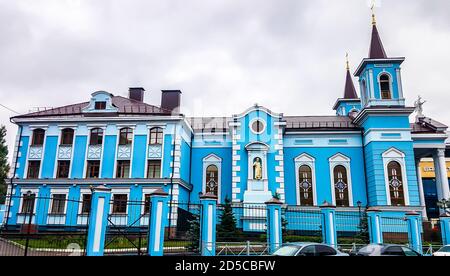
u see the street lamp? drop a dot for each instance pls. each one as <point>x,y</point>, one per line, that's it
<point>444,204</point>
<point>359,203</point>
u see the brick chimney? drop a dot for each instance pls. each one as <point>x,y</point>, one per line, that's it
<point>136,93</point>
<point>170,100</point>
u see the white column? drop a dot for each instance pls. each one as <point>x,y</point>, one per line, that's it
<point>421,192</point>
<point>443,174</point>
<point>437,175</point>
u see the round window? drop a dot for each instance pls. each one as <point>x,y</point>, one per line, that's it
<point>257,126</point>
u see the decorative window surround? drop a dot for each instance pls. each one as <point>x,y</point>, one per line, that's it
<point>155,151</point>
<point>301,160</point>
<point>35,153</point>
<point>94,152</point>
<point>396,155</point>
<point>215,160</point>
<point>336,160</point>
<point>57,219</point>
<point>124,152</point>
<point>65,152</point>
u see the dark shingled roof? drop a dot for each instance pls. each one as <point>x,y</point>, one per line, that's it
<point>125,106</point>
<point>350,91</point>
<point>428,125</point>
<point>376,46</point>
<point>319,123</point>
<point>221,124</point>
<point>209,124</point>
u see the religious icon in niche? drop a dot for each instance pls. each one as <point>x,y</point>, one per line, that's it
<point>257,169</point>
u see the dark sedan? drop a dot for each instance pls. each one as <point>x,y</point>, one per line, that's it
<point>387,250</point>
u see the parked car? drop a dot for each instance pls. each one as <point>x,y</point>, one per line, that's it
<point>307,249</point>
<point>387,250</point>
<point>444,251</point>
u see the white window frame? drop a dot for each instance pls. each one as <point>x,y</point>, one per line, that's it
<point>146,191</point>
<point>262,122</point>
<point>58,192</point>
<point>215,160</point>
<point>396,155</point>
<point>119,192</point>
<point>342,160</point>
<point>80,205</point>
<point>24,191</point>
<point>308,160</point>
<point>391,80</point>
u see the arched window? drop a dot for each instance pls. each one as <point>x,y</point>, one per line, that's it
<point>126,136</point>
<point>38,137</point>
<point>67,137</point>
<point>341,186</point>
<point>305,186</point>
<point>156,136</point>
<point>212,180</point>
<point>96,137</point>
<point>395,178</point>
<point>385,87</point>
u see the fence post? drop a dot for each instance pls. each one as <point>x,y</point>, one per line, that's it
<point>375,231</point>
<point>274,225</point>
<point>98,221</point>
<point>208,224</point>
<point>414,220</point>
<point>157,223</point>
<point>329,233</point>
<point>445,229</point>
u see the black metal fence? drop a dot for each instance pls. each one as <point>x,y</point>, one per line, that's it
<point>395,230</point>
<point>302,224</point>
<point>241,229</point>
<point>128,227</point>
<point>54,232</point>
<point>183,232</point>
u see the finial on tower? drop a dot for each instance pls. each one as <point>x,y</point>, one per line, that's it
<point>374,19</point>
<point>347,62</point>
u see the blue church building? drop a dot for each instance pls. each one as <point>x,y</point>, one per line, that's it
<point>366,154</point>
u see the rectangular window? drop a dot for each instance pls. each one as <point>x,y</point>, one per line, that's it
<point>33,169</point>
<point>100,105</point>
<point>63,169</point>
<point>123,169</point>
<point>93,169</point>
<point>120,204</point>
<point>58,204</point>
<point>154,169</point>
<point>67,137</point>
<point>28,203</point>
<point>86,204</point>
<point>147,204</point>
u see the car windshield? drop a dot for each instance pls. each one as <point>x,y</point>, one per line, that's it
<point>370,250</point>
<point>445,249</point>
<point>287,250</point>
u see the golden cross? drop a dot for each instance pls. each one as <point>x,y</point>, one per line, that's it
<point>374,20</point>
<point>348,63</point>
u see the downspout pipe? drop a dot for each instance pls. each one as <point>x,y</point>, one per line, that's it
<point>13,175</point>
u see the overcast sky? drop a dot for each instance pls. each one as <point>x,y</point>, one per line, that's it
<point>225,55</point>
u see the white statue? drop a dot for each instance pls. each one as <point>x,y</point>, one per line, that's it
<point>419,107</point>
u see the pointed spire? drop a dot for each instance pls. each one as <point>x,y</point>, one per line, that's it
<point>350,91</point>
<point>376,46</point>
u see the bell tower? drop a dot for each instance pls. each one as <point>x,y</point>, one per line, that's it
<point>384,118</point>
<point>379,75</point>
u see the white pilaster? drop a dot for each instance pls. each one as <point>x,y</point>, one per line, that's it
<point>421,192</point>
<point>443,174</point>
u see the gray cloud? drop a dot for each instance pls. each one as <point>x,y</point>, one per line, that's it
<point>224,55</point>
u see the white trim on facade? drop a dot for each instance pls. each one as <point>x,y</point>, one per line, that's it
<point>215,160</point>
<point>398,156</point>
<point>336,160</point>
<point>308,160</point>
